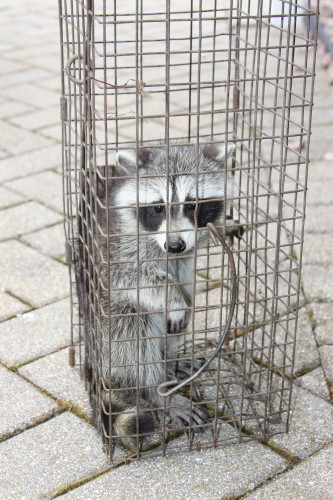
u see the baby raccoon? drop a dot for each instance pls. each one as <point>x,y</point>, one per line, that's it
<point>153,211</point>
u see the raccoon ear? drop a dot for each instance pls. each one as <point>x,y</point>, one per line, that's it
<point>219,152</point>
<point>127,160</point>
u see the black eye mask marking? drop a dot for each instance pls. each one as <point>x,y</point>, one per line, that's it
<point>151,218</point>
<point>207,211</point>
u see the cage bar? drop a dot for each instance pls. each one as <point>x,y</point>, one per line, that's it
<point>186,78</point>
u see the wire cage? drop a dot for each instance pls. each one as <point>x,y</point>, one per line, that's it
<point>175,115</point>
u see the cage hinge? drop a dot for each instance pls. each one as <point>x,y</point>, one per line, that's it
<point>63,108</point>
<point>69,252</point>
<point>235,101</point>
<point>71,356</point>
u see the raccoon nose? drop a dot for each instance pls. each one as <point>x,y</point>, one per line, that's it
<point>176,246</point>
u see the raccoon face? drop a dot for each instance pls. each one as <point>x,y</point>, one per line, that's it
<point>176,205</point>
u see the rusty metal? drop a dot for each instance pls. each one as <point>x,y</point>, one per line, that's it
<point>193,72</point>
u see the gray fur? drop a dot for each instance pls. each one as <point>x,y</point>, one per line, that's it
<point>143,348</point>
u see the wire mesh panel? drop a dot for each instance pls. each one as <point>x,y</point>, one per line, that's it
<point>177,115</point>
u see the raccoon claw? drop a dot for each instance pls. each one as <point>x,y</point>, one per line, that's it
<point>177,321</point>
<point>188,415</point>
<point>184,367</point>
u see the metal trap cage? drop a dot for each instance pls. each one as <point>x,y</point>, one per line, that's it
<point>177,115</point>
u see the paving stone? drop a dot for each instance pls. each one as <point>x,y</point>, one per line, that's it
<point>52,83</point>
<point>16,140</point>
<point>37,119</point>
<point>54,132</point>
<point>315,382</point>
<point>12,108</point>
<point>319,193</point>
<point>21,403</point>
<point>311,479</point>
<point>42,460</point>
<point>209,474</point>
<point>31,276</point>
<point>322,315</point>
<point>29,94</point>
<point>25,218</point>
<point>10,66</point>
<point>9,306</point>
<point>317,218</point>
<point>30,75</point>
<point>318,248</point>
<point>320,170</point>
<point>53,374</point>
<point>45,187</point>
<point>317,282</point>
<point>48,61</point>
<point>326,356</point>
<point>311,424</point>
<point>306,355</point>
<point>35,333</point>
<point>50,241</point>
<point>30,163</point>
<point>8,198</point>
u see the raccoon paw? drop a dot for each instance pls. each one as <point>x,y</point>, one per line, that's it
<point>182,411</point>
<point>132,429</point>
<point>177,321</point>
<point>184,368</point>
<point>236,230</point>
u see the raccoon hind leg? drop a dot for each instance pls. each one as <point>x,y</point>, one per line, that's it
<point>131,424</point>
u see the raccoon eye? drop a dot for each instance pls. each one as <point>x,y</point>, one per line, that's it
<point>191,207</point>
<point>158,209</point>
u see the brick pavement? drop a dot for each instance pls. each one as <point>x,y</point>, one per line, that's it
<point>47,446</point>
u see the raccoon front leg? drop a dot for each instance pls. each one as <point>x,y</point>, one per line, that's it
<point>157,290</point>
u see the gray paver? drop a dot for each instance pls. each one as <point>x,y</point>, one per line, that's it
<point>323,319</point>
<point>30,163</point>
<point>21,403</point>
<point>317,282</point>
<point>28,94</point>
<point>35,333</point>
<point>45,187</point>
<point>8,198</point>
<point>315,252</point>
<point>311,424</point>
<point>9,306</point>
<point>306,355</point>
<point>54,132</point>
<point>315,382</point>
<point>50,241</point>
<point>326,355</point>
<point>311,479</point>
<point>54,375</point>
<point>31,276</point>
<point>41,460</point>
<point>25,218</point>
<point>16,140</point>
<point>37,119</point>
<point>12,108</point>
<point>30,75</point>
<point>209,474</point>
<point>317,218</point>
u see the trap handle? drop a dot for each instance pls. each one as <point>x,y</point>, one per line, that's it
<point>217,237</point>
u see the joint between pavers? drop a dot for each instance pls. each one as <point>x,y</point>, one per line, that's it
<point>312,319</point>
<point>28,245</point>
<point>32,308</point>
<point>35,422</point>
<point>289,467</point>
<point>79,482</point>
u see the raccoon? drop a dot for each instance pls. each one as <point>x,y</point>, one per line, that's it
<point>159,203</point>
